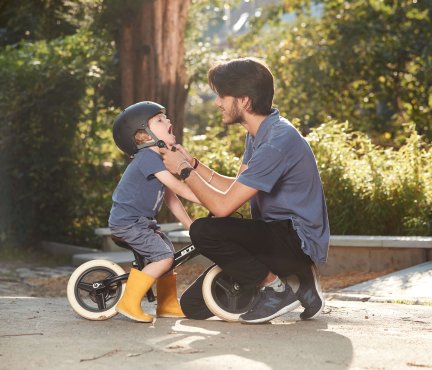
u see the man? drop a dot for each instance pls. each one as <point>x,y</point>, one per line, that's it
<point>289,230</point>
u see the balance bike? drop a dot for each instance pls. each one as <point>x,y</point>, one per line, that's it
<point>95,287</point>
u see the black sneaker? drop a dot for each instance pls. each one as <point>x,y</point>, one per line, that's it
<point>270,304</point>
<point>310,294</point>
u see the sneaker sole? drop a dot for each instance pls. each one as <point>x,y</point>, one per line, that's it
<point>320,294</point>
<point>282,311</point>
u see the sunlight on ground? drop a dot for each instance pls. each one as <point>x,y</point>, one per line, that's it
<point>178,326</point>
<point>234,361</point>
<point>18,297</point>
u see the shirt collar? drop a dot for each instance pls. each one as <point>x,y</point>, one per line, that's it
<point>265,125</point>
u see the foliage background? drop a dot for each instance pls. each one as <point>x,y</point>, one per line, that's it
<point>356,80</point>
<point>369,62</point>
<point>55,139</point>
<point>370,190</point>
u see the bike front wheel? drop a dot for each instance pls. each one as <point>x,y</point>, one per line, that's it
<point>88,293</point>
<point>224,297</point>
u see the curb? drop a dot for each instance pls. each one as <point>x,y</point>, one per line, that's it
<point>337,296</point>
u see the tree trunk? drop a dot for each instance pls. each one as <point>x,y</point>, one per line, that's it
<point>152,57</point>
<point>126,62</point>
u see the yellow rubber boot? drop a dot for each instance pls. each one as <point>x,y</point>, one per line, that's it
<point>137,286</point>
<point>167,302</point>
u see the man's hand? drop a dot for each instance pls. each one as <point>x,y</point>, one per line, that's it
<point>174,160</point>
<point>188,157</point>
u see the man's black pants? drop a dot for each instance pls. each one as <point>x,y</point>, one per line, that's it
<point>245,249</point>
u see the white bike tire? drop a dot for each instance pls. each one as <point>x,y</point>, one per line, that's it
<point>211,303</point>
<point>76,306</point>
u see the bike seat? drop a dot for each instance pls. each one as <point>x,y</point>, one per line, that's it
<point>123,244</point>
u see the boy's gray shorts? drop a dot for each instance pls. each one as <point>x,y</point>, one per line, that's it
<point>146,238</point>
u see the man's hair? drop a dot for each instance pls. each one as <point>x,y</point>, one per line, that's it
<point>244,77</point>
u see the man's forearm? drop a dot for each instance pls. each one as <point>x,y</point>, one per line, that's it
<point>210,197</point>
<point>219,194</point>
<point>213,178</point>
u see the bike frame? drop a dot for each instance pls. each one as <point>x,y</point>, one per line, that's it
<point>181,256</point>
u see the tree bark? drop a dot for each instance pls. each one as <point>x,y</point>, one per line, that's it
<point>126,62</point>
<point>152,54</point>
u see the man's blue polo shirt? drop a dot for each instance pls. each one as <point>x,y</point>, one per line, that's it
<point>282,167</point>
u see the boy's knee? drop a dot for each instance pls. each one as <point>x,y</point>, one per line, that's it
<point>164,264</point>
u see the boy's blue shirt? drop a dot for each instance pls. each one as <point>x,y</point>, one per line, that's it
<point>139,193</point>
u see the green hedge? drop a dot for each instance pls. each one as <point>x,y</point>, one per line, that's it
<point>54,141</point>
<point>39,104</point>
<point>372,190</point>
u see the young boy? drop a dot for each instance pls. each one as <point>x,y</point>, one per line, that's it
<point>137,199</point>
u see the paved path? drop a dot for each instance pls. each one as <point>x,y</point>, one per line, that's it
<point>353,332</point>
<point>410,286</point>
<point>42,333</point>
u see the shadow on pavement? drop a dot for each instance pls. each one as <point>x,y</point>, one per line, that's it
<point>285,343</point>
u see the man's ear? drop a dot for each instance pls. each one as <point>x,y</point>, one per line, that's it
<point>245,102</point>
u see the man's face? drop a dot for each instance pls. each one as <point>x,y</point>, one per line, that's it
<point>163,129</point>
<point>231,110</point>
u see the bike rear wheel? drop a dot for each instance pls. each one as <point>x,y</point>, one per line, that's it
<point>224,297</point>
<point>84,296</point>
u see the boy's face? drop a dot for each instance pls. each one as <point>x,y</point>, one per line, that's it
<point>161,126</point>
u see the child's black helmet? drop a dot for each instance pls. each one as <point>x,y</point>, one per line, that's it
<point>133,118</point>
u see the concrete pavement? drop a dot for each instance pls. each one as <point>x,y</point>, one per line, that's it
<point>38,333</point>
<point>354,331</point>
<point>410,286</point>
